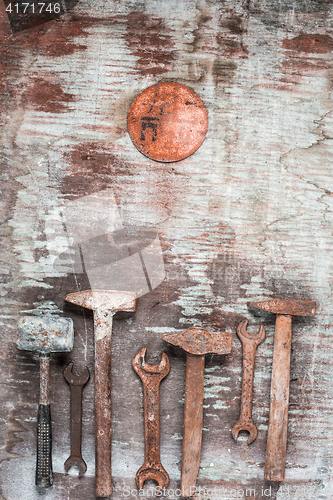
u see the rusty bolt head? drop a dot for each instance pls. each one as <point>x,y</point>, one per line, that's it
<point>167,122</point>
<point>199,341</point>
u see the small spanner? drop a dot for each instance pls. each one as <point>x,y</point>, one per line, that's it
<point>250,343</point>
<point>151,377</point>
<point>76,382</point>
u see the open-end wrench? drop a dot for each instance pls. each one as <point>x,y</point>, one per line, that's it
<point>151,377</point>
<point>250,343</point>
<point>76,382</point>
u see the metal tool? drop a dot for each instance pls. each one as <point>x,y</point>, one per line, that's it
<point>196,342</point>
<point>45,335</point>
<point>278,410</point>
<point>250,343</point>
<point>151,377</point>
<point>167,121</point>
<point>104,303</point>
<point>76,382</point>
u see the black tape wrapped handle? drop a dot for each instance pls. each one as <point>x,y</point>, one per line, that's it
<point>44,475</point>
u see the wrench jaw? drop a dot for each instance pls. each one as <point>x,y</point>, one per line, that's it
<point>156,473</point>
<point>76,462</point>
<point>245,426</point>
<point>73,379</point>
<point>255,339</point>
<point>142,368</point>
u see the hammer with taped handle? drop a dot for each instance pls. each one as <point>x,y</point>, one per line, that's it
<point>44,334</point>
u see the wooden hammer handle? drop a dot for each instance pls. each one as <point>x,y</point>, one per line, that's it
<point>279,401</point>
<point>193,418</point>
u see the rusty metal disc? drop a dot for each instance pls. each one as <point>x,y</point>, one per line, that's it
<point>167,122</point>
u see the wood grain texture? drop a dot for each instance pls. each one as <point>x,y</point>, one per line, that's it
<point>193,418</point>
<point>279,401</point>
<point>248,216</point>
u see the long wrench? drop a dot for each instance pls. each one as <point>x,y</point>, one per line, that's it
<point>76,382</point>
<point>151,377</point>
<point>250,343</point>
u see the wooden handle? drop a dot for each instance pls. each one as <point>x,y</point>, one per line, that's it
<point>193,416</point>
<point>278,410</point>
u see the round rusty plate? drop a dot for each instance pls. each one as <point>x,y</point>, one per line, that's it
<point>167,122</point>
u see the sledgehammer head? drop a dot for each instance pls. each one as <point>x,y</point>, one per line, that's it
<point>286,307</point>
<point>107,300</point>
<point>200,342</point>
<point>45,334</point>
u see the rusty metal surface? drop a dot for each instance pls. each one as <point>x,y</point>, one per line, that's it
<point>102,334</point>
<point>167,121</point>
<point>44,379</point>
<point>280,306</point>
<point>76,382</point>
<point>199,341</point>
<point>108,300</point>
<point>103,482</point>
<point>151,377</point>
<point>196,342</point>
<point>46,334</point>
<point>250,343</point>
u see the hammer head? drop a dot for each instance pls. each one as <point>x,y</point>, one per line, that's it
<point>45,334</point>
<point>107,300</point>
<point>199,341</point>
<point>286,307</point>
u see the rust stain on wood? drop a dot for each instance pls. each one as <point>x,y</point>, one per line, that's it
<point>53,39</point>
<point>309,43</point>
<point>150,41</point>
<point>47,97</point>
<point>231,42</point>
<point>92,168</point>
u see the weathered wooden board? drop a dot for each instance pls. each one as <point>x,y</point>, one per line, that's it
<point>249,215</point>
